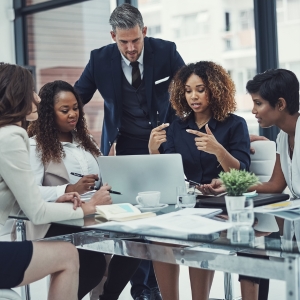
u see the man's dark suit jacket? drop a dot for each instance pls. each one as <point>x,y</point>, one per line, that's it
<point>104,72</point>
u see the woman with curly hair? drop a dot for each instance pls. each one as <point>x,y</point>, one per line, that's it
<point>59,146</point>
<point>62,130</point>
<point>210,139</point>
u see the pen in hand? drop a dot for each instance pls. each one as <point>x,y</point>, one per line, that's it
<point>76,174</point>
<point>111,191</point>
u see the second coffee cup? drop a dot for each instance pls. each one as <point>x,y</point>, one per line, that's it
<point>148,199</point>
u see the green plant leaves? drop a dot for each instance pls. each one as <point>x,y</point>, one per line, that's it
<point>237,182</point>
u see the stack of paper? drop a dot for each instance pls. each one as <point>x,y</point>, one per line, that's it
<point>289,210</point>
<point>180,224</point>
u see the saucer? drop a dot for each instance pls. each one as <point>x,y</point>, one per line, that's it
<point>250,194</point>
<point>151,209</point>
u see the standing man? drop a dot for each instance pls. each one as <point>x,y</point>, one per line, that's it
<point>133,76</point>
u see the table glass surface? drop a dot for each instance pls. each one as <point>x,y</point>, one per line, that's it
<point>238,239</point>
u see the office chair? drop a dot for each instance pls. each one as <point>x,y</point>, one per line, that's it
<point>8,294</point>
<point>263,160</point>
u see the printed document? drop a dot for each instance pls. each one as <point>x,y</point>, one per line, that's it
<point>181,224</point>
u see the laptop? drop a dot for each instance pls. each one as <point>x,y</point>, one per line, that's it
<point>131,174</point>
<point>259,200</point>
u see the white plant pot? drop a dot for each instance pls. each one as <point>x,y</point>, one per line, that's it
<point>235,202</point>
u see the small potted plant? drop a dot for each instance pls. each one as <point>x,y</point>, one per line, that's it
<point>237,182</point>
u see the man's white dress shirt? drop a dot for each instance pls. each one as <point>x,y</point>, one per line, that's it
<point>127,68</point>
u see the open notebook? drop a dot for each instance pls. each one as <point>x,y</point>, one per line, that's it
<point>121,212</point>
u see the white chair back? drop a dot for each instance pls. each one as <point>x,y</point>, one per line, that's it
<point>263,160</point>
<point>8,294</point>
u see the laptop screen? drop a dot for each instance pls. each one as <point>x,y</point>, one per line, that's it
<point>131,174</point>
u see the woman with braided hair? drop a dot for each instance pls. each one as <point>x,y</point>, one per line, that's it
<point>210,139</point>
<point>60,144</point>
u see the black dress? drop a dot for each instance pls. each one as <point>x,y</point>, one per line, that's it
<point>15,258</point>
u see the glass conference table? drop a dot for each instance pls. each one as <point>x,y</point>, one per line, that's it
<point>237,250</point>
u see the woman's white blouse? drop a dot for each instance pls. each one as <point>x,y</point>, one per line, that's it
<point>291,172</point>
<point>76,160</point>
<point>290,168</point>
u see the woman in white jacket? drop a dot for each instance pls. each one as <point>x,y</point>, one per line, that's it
<point>25,262</point>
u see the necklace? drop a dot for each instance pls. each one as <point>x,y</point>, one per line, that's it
<point>200,125</point>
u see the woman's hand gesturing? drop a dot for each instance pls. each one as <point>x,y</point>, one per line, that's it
<point>157,137</point>
<point>206,141</point>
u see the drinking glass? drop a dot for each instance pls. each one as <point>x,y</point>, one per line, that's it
<point>241,235</point>
<point>246,216</point>
<point>185,199</point>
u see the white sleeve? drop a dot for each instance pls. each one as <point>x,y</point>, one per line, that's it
<point>49,193</point>
<point>279,143</point>
<point>17,174</point>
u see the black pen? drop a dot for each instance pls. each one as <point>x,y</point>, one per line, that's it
<point>111,191</point>
<point>76,174</point>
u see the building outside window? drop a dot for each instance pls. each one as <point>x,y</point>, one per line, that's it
<point>59,45</point>
<point>60,40</point>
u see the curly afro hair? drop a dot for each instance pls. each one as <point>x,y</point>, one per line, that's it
<point>45,130</point>
<point>220,89</point>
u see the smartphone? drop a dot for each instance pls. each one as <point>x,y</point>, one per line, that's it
<point>192,182</point>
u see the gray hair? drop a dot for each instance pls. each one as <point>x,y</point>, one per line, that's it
<point>126,16</point>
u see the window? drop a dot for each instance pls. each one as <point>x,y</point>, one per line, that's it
<point>59,43</point>
<point>288,16</point>
<point>246,19</point>
<point>227,21</point>
<point>203,30</point>
<point>293,10</point>
<point>288,10</point>
<point>228,44</point>
<point>154,31</point>
<point>190,24</point>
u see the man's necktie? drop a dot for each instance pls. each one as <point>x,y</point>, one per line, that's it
<point>136,74</point>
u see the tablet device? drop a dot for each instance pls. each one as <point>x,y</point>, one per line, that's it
<point>258,200</point>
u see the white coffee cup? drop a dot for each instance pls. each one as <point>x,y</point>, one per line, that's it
<point>148,199</point>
